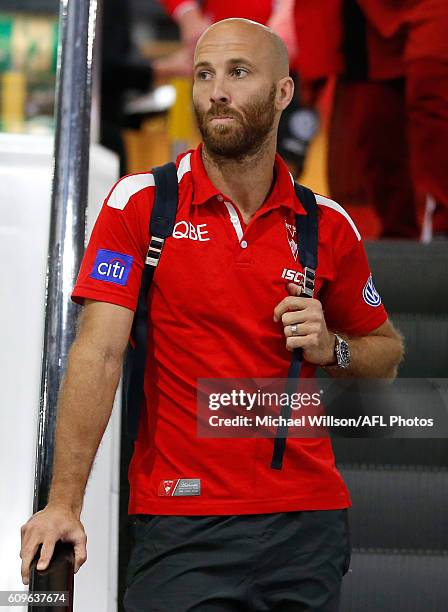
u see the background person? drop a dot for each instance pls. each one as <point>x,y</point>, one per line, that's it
<point>389,125</point>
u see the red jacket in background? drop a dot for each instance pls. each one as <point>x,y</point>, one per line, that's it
<point>397,32</point>
<point>425,20</point>
<point>319,38</point>
<point>215,10</point>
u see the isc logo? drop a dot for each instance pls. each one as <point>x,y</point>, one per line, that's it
<point>292,275</point>
<point>112,267</point>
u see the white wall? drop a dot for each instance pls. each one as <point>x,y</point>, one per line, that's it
<point>25,183</point>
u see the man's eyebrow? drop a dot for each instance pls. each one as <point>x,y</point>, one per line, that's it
<point>240,60</point>
<point>202,64</point>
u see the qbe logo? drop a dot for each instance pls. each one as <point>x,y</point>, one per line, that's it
<point>112,267</point>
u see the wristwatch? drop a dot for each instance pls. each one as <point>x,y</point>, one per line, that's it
<point>342,352</point>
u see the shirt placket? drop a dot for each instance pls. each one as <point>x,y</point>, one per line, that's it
<point>242,252</point>
<point>241,230</point>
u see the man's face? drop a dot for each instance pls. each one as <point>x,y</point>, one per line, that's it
<point>233,96</point>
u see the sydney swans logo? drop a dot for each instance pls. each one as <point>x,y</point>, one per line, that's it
<point>292,240</point>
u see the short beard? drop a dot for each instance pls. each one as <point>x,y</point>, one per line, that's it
<point>246,136</point>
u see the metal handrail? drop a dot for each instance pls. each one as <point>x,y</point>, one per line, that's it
<point>59,576</point>
<point>66,247</point>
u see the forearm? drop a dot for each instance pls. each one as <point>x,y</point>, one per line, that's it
<point>190,19</point>
<point>84,408</point>
<point>179,8</point>
<point>371,357</point>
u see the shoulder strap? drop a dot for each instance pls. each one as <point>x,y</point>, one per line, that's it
<point>163,218</point>
<point>307,236</point>
<point>163,215</point>
<point>307,241</point>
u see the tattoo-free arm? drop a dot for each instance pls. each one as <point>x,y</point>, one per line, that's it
<point>376,355</point>
<point>84,408</point>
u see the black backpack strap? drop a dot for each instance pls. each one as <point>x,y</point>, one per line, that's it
<point>307,239</point>
<point>307,234</point>
<point>164,211</point>
<point>162,222</point>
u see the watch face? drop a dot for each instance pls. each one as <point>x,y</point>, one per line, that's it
<point>343,353</point>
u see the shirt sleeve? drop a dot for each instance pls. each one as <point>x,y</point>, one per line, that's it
<point>351,303</point>
<point>114,258</point>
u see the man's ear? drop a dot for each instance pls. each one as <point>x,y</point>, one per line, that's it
<point>285,92</point>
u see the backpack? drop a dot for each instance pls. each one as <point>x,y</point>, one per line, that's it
<point>162,223</point>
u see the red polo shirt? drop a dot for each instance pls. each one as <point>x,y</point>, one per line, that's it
<point>211,316</point>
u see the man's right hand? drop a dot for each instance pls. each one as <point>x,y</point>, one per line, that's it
<point>55,522</point>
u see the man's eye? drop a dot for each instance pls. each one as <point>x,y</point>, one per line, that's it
<point>203,75</point>
<point>240,72</point>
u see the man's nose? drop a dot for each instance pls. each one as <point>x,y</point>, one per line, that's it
<point>219,93</point>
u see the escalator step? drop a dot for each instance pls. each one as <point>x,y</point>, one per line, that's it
<point>398,508</point>
<point>383,451</point>
<point>410,277</point>
<point>395,583</point>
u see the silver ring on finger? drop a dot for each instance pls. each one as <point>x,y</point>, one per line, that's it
<point>294,330</point>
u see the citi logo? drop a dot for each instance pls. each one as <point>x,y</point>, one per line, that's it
<point>293,276</point>
<point>112,267</point>
<point>116,268</point>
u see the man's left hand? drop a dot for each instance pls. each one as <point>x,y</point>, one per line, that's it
<point>311,331</point>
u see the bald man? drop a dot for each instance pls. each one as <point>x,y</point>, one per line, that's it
<point>241,86</point>
<point>216,527</point>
